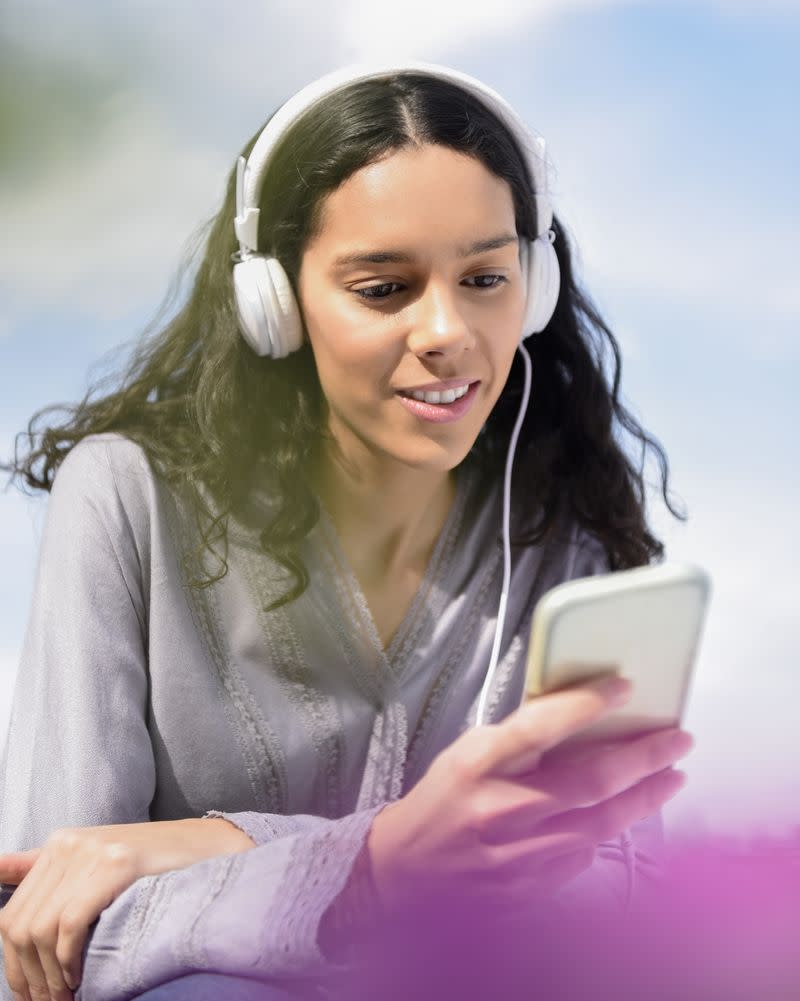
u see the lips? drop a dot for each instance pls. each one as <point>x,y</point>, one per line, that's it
<point>440,413</point>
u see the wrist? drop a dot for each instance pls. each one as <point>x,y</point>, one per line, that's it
<point>382,847</point>
<point>225,834</point>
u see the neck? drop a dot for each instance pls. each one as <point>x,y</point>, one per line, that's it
<point>387,521</point>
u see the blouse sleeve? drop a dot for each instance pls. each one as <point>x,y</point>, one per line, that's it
<point>78,752</point>
<point>255,913</point>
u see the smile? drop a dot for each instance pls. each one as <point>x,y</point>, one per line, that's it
<point>441,407</point>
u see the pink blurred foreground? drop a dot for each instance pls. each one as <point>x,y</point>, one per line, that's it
<point>724,925</point>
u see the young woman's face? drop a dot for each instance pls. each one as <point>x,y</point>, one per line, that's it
<point>447,311</point>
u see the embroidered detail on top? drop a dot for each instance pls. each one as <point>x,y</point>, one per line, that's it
<point>502,677</point>
<point>382,781</point>
<point>155,891</point>
<point>318,869</point>
<point>314,708</point>
<point>188,952</point>
<point>400,747</point>
<point>443,684</point>
<point>259,746</point>
<point>370,681</point>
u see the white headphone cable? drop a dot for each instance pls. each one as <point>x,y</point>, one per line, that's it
<point>626,840</point>
<point>501,612</point>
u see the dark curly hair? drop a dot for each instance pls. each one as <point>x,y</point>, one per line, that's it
<point>207,410</point>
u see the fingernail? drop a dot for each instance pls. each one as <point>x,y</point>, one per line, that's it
<point>681,777</point>
<point>681,743</point>
<point>616,689</point>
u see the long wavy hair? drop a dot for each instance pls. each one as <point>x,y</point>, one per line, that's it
<point>208,411</point>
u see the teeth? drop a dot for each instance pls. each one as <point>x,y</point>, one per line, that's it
<point>446,397</point>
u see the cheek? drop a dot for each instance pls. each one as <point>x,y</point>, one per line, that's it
<point>358,361</point>
<point>355,371</point>
<point>343,333</point>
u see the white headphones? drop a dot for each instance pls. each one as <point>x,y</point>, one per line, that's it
<point>269,315</point>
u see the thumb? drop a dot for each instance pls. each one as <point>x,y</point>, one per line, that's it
<point>15,866</point>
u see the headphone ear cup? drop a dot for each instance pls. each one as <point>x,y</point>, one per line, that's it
<point>269,316</point>
<point>543,283</point>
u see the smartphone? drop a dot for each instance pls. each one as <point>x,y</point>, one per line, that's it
<point>644,624</point>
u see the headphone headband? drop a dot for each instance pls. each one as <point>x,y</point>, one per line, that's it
<point>269,314</point>
<point>251,172</point>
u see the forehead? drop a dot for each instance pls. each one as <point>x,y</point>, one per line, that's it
<point>432,194</point>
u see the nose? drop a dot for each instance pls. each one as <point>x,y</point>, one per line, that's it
<point>439,322</point>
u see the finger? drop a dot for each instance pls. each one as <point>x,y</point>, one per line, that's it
<point>610,818</point>
<point>73,929</point>
<point>13,970</point>
<point>574,752</point>
<point>16,939</point>
<point>94,880</point>
<point>521,738</point>
<point>32,979</point>
<point>580,779</point>
<point>524,856</point>
<point>15,866</point>
<point>501,811</point>
<point>77,915</point>
<point>36,930</point>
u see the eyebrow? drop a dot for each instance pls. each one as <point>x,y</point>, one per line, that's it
<point>403,257</point>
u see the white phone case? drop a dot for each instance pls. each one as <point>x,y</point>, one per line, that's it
<point>644,624</point>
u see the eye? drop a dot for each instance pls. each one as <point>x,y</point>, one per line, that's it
<point>500,280</point>
<point>372,292</point>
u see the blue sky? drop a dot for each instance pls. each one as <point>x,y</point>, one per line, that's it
<point>671,129</point>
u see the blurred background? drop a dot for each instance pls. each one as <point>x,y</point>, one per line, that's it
<point>676,168</point>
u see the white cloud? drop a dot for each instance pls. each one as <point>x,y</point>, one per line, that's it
<point>436,28</point>
<point>755,8</point>
<point>110,220</point>
<point>742,772</point>
<point>646,220</point>
<point>114,217</point>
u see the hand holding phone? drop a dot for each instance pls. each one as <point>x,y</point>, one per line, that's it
<point>643,624</point>
<point>504,817</point>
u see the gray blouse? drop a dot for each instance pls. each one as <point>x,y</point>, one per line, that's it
<point>139,699</point>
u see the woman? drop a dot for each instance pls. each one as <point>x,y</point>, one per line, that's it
<point>269,579</point>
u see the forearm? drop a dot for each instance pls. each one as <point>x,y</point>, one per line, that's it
<point>255,912</point>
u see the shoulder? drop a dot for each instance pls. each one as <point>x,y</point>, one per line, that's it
<point>107,474</point>
<point>576,552</point>
<point>590,553</point>
<point>104,454</point>
<point>574,549</point>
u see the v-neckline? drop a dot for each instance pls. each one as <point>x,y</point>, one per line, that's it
<point>358,608</point>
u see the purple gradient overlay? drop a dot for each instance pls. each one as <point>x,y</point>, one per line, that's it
<point>723,925</point>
